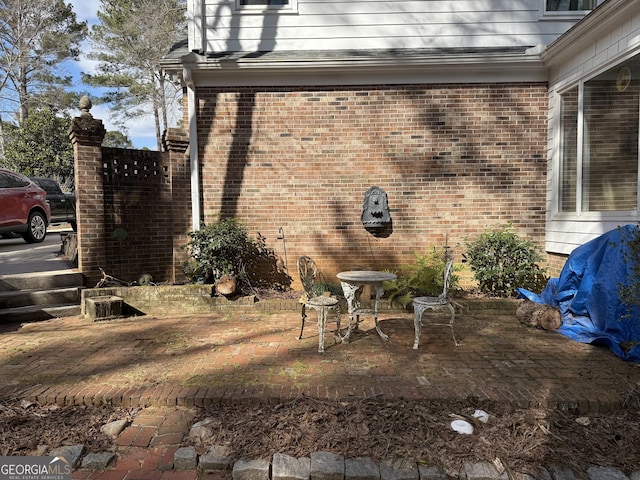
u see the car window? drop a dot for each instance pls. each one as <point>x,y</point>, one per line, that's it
<point>8,180</point>
<point>47,185</point>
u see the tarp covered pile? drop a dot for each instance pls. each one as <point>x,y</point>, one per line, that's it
<point>587,293</point>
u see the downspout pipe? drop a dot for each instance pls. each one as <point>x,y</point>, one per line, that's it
<point>193,149</point>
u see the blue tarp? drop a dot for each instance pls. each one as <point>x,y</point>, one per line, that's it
<point>587,295</point>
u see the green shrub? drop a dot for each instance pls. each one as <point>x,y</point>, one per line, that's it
<point>502,262</point>
<point>217,250</point>
<point>225,248</point>
<point>425,277</point>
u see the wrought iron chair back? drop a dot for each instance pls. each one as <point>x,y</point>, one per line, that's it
<point>316,297</point>
<point>420,304</point>
<point>308,272</point>
<point>448,271</point>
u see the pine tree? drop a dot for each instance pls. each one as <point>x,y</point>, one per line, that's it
<point>130,40</point>
<point>36,38</point>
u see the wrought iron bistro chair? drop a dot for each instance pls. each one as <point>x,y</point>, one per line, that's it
<point>315,297</point>
<point>420,304</point>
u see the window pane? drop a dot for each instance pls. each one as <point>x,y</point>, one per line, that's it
<point>569,151</point>
<point>264,2</point>
<point>569,5</point>
<point>610,143</point>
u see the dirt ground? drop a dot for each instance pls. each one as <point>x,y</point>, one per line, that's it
<point>520,440</point>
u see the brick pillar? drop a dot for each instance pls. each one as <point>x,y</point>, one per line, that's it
<point>86,135</point>
<point>176,144</point>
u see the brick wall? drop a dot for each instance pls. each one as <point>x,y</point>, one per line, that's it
<point>454,160</point>
<point>137,199</point>
<point>133,206</point>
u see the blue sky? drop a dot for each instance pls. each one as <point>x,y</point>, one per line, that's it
<point>142,131</point>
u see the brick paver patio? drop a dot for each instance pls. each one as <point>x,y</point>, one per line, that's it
<point>243,356</point>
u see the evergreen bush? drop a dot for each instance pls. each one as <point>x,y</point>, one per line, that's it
<point>502,262</point>
<point>225,248</point>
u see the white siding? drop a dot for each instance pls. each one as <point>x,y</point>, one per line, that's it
<point>372,24</point>
<point>578,56</point>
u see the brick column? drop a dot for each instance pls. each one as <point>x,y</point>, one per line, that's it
<point>86,135</point>
<point>176,144</point>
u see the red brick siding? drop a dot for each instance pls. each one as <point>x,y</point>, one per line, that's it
<point>453,159</point>
<point>137,202</point>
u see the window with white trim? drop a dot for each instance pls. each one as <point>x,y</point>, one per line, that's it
<point>243,3</point>
<point>253,6</point>
<point>598,143</point>
<point>566,9</point>
<point>569,5</point>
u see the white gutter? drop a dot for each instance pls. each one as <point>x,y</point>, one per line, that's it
<point>193,149</point>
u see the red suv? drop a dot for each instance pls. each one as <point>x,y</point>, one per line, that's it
<point>23,207</point>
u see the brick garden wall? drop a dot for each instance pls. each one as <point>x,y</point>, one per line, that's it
<point>137,199</point>
<point>133,206</point>
<point>453,159</point>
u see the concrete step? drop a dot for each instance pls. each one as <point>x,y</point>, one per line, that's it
<point>34,313</point>
<point>41,281</point>
<point>23,298</point>
<point>40,296</point>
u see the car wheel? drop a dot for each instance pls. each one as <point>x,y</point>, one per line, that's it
<point>37,228</point>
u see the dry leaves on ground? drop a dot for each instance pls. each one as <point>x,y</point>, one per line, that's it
<point>522,439</point>
<point>30,429</point>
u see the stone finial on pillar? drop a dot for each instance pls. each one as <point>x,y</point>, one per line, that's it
<point>85,129</point>
<point>85,106</point>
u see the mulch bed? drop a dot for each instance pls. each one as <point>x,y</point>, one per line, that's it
<point>520,440</point>
<point>27,428</point>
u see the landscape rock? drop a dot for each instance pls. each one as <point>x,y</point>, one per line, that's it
<point>327,466</point>
<point>559,473</point>
<point>399,469</point>
<point>361,468</point>
<point>97,461</point>
<point>427,472</point>
<point>217,458</point>
<point>604,473</point>
<point>113,429</point>
<point>251,470</point>
<point>286,467</point>
<point>185,458</point>
<point>479,471</point>
<point>71,453</point>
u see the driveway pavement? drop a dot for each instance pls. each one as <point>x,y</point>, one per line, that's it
<point>19,257</point>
